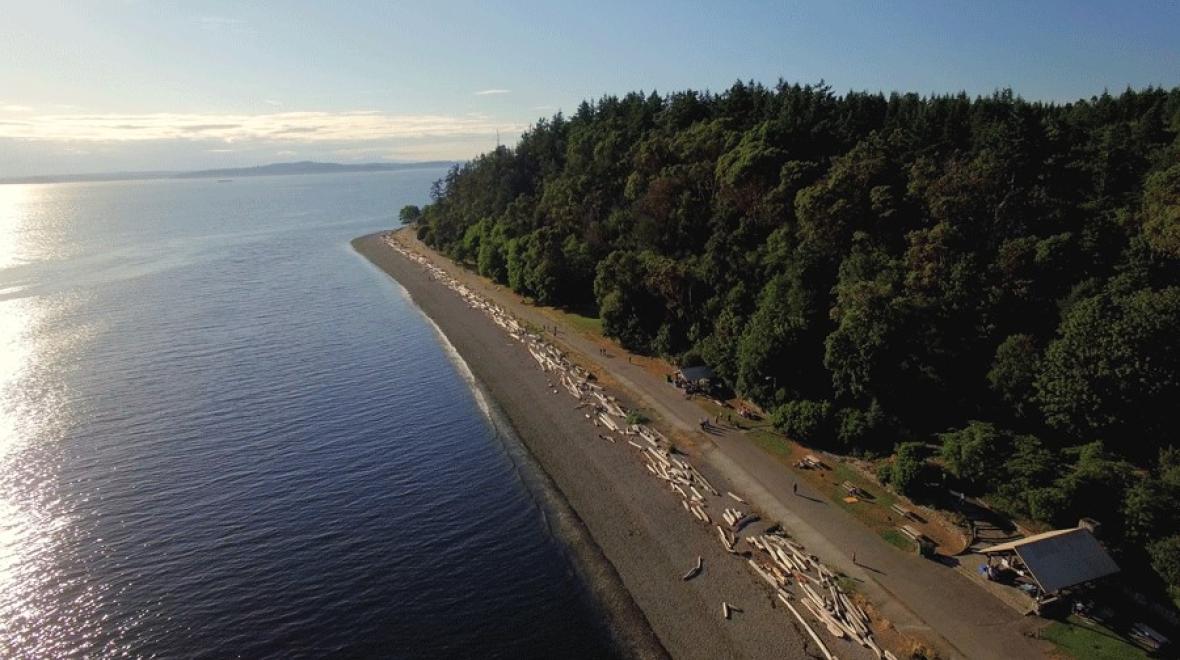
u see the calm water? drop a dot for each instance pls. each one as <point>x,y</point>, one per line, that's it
<point>223,433</point>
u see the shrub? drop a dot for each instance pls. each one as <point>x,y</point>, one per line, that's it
<point>1165,559</point>
<point>691,358</point>
<point>905,473</point>
<point>636,417</point>
<point>804,420</point>
<point>976,454</point>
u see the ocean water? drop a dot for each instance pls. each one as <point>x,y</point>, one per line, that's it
<point>224,434</point>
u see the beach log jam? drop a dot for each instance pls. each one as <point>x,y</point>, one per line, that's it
<point>774,557</point>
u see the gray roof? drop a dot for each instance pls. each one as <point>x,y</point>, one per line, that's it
<point>1061,558</point>
<point>696,373</point>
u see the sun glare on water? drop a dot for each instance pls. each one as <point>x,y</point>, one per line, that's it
<point>35,619</point>
<point>14,202</point>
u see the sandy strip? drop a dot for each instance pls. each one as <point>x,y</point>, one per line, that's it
<point>642,540</point>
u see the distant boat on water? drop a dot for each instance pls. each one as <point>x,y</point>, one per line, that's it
<point>225,181</point>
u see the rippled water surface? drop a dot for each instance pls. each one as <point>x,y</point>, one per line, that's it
<point>222,433</point>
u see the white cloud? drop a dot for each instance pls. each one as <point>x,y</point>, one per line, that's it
<point>284,127</point>
<point>12,107</point>
<point>273,103</point>
<point>490,92</point>
<point>286,152</point>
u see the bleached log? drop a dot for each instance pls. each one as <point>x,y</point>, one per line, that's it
<point>724,539</point>
<point>762,573</point>
<point>814,637</point>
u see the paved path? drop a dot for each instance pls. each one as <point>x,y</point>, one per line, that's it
<point>919,596</point>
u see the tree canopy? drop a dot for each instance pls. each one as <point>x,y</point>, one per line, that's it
<point>995,275</point>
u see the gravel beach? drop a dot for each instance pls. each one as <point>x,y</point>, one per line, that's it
<point>642,541</point>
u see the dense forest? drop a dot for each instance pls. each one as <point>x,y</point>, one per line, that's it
<point>986,287</point>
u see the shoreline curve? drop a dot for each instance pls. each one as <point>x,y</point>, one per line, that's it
<point>623,620</point>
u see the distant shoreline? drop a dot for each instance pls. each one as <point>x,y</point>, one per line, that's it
<point>274,169</point>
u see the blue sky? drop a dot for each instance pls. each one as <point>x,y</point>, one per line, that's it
<point>100,86</point>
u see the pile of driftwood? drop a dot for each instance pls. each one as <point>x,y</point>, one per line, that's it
<point>678,473</point>
<point>792,574</point>
<point>574,379</point>
<point>796,576</point>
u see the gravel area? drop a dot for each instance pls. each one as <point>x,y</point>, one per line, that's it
<point>642,539</point>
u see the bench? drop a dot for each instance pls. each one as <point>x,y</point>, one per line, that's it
<point>913,534</point>
<point>902,511</point>
<point>925,544</point>
<point>853,489</point>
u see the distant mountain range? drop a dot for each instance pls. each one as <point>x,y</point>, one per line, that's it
<point>274,169</point>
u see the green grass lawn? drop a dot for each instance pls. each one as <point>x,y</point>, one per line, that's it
<point>881,496</point>
<point>1086,641</point>
<point>771,443</point>
<point>898,540</point>
<point>591,325</point>
<point>872,513</point>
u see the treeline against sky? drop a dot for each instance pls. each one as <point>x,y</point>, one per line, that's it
<point>994,278</point>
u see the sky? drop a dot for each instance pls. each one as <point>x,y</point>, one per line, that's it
<point>123,85</point>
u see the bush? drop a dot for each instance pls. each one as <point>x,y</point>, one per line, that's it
<point>804,420</point>
<point>1165,559</point>
<point>905,473</point>
<point>976,454</point>
<point>636,417</point>
<point>690,358</point>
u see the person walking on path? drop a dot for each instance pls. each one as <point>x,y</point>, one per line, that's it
<point>795,487</point>
<point>854,558</point>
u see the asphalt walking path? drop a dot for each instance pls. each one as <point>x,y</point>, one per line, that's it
<point>921,597</point>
